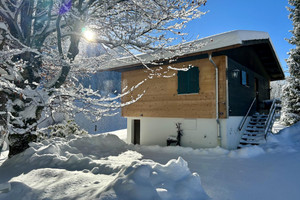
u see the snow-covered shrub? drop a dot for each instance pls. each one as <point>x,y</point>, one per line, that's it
<point>64,129</point>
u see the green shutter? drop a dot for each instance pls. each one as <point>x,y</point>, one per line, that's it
<point>182,82</point>
<point>194,80</point>
<point>188,81</point>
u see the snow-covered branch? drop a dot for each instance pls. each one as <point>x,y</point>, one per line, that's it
<point>46,43</point>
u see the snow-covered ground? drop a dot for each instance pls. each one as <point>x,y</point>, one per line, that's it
<point>105,167</point>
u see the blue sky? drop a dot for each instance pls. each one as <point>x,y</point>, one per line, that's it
<point>260,15</point>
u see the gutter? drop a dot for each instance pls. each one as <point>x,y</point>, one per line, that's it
<point>217,99</point>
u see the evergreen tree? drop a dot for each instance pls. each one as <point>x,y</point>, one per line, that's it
<point>291,91</point>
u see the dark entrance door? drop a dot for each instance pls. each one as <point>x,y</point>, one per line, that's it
<point>256,88</point>
<point>136,131</point>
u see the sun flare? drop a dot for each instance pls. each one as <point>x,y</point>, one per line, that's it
<point>88,34</point>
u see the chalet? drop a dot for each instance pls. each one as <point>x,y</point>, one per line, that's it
<point>223,86</point>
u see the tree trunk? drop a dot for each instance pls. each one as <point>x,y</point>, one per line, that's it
<point>19,143</point>
<point>3,100</point>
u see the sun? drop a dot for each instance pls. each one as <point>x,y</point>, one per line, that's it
<point>88,34</point>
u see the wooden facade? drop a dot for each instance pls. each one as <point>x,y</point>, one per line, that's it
<point>161,98</point>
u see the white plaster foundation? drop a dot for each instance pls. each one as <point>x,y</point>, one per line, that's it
<point>197,133</point>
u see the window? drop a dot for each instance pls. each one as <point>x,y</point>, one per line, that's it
<point>188,81</point>
<point>244,78</point>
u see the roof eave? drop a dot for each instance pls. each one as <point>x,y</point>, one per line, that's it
<point>274,77</point>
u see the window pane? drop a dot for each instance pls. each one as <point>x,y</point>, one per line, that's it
<point>244,78</point>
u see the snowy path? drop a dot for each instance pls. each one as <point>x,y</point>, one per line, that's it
<point>270,176</point>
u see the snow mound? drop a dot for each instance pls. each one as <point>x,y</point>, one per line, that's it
<point>96,166</point>
<point>96,153</point>
<point>290,136</point>
<point>149,181</point>
<point>288,139</point>
<point>47,183</point>
<point>122,134</point>
<point>247,152</point>
<point>183,150</point>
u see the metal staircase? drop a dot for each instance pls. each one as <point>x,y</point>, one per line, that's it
<point>259,126</point>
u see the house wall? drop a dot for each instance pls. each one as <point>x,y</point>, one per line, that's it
<point>161,98</point>
<point>197,133</point>
<point>240,96</point>
<point>231,138</point>
<point>161,107</point>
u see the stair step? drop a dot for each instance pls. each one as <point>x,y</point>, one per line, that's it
<point>253,136</point>
<point>5,187</point>
<point>255,129</point>
<point>254,133</point>
<point>260,116</point>
<point>250,137</point>
<point>253,142</point>
<point>256,124</point>
<point>258,120</point>
<point>246,145</point>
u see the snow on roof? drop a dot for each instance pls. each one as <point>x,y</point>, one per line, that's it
<point>229,39</point>
<point>211,43</point>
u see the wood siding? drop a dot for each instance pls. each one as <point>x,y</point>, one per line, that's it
<point>161,98</point>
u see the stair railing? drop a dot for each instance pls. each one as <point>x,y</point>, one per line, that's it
<point>270,118</point>
<point>245,117</point>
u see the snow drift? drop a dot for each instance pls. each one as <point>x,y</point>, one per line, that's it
<point>97,153</point>
<point>287,139</point>
<point>92,167</point>
<point>145,181</point>
<point>104,167</point>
